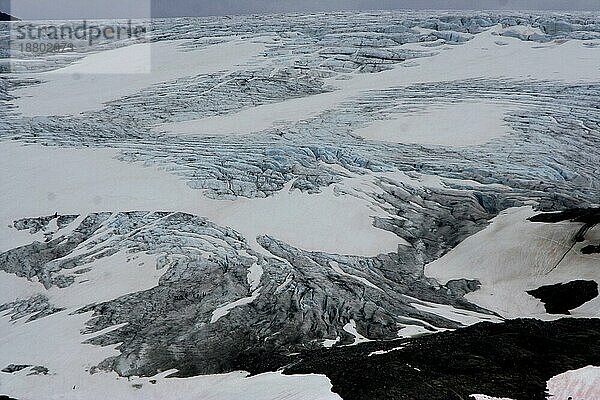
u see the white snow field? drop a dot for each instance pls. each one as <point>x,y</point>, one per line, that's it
<point>124,71</point>
<point>507,268</point>
<point>469,124</point>
<point>75,85</point>
<point>254,119</point>
<point>41,181</point>
<point>583,383</point>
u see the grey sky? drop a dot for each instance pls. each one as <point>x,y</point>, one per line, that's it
<point>64,9</point>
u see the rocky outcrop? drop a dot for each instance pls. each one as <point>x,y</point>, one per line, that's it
<point>590,249</point>
<point>513,360</point>
<point>564,297</point>
<point>589,216</point>
<point>39,370</point>
<point>7,17</point>
<point>12,368</point>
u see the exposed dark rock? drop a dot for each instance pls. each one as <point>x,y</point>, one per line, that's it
<point>12,368</point>
<point>34,225</point>
<point>563,297</point>
<point>513,359</point>
<point>39,370</point>
<point>7,17</point>
<point>588,216</point>
<point>585,215</point>
<point>591,249</point>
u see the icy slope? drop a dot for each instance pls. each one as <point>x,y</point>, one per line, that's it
<point>507,269</point>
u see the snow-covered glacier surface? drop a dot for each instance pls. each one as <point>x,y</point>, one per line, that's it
<point>284,190</point>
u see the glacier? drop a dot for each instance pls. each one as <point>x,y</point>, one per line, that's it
<point>281,193</point>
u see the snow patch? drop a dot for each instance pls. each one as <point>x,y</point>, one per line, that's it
<point>380,352</point>
<point>459,124</point>
<point>336,267</point>
<point>74,89</point>
<point>415,330</point>
<point>255,273</point>
<point>328,343</point>
<point>583,383</point>
<point>250,120</point>
<point>224,310</point>
<point>464,317</point>
<point>513,255</point>
<point>351,329</point>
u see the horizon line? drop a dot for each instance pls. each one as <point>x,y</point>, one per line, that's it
<point>242,14</point>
